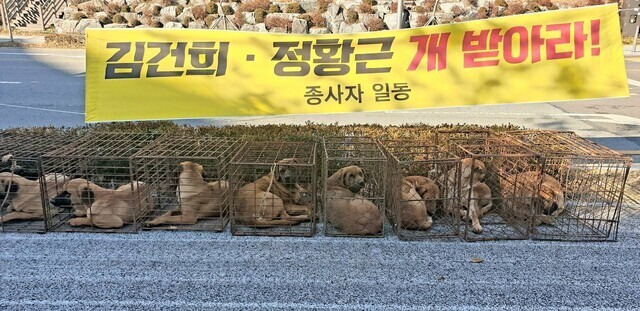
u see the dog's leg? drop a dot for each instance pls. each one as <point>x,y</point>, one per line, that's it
<point>19,216</point>
<point>296,210</point>
<point>475,220</point>
<point>105,221</point>
<point>80,221</point>
<point>426,224</point>
<point>175,218</point>
<point>485,209</point>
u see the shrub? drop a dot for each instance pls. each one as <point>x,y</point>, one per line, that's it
<point>119,19</point>
<point>275,21</point>
<point>226,10</point>
<point>294,7</point>
<point>306,17</point>
<point>457,11</point>
<point>125,9</point>
<point>168,19</point>
<point>514,9</point>
<point>112,8</point>
<point>179,9</point>
<point>394,7</point>
<point>366,8</point>
<point>167,3</point>
<point>420,9</point>
<point>370,2</point>
<point>374,24</point>
<point>482,13</point>
<point>274,9</point>
<point>422,20</point>
<point>468,3</point>
<point>352,16</point>
<point>252,5</point>
<point>533,7</point>
<point>260,14</point>
<point>238,18</point>
<point>186,21</point>
<point>323,5</point>
<point>317,20</point>
<point>154,10</point>
<point>104,20</point>
<point>199,12</point>
<point>90,9</point>
<point>429,4</point>
<point>76,16</point>
<point>545,3</point>
<point>209,20</point>
<point>212,8</point>
<point>500,3</point>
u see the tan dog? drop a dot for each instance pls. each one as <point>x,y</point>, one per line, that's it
<point>198,199</point>
<point>419,195</point>
<point>475,195</point>
<point>273,200</point>
<point>347,209</point>
<point>23,196</point>
<point>104,208</point>
<point>550,196</point>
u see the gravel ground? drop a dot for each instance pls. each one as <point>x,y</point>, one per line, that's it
<point>200,270</point>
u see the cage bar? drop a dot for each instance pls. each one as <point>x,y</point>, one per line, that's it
<point>24,190</point>
<point>274,189</point>
<point>420,196</point>
<point>592,180</point>
<point>187,178</point>
<point>354,177</point>
<point>101,196</point>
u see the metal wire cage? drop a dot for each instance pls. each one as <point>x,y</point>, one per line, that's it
<point>24,190</point>
<point>187,179</point>
<point>101,196</point>
<point>354,173</point>
<point>274,189</point>
<point>499,185</point>
<point>591,179</point>
<point>420,194</point>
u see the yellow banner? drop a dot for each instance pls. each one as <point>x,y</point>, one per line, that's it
<point>152,74</point>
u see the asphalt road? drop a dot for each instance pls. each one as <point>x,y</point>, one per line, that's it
<point>190,270</point>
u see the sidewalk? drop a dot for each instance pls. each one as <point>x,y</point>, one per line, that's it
<point>4,37</point>
<point>628,50</point>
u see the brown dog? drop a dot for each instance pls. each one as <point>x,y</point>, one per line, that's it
<point>104,208</point>
<point>347,209</point>
<point>273,200</point>
<point>198,199</point>
<point>419,195</point>
<point>23,196</point>
<point>521,188</point>
<point>475,195</point>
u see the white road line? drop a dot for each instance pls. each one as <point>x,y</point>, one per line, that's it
<point>43,54</point>
<point>42,109</point>
<point>10,82</point>
<point>634,82</point>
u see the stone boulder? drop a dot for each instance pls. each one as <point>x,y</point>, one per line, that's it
<point>391,20</point>
<point>169,11</point>
<point>115,26</point>
<point>353,28</point>
<point>319,30</point>
<point>299,26</point>
<point>309,6</point>
<point>278,30</point>
<point>173,25</point>
<point>249,17</point>
<point>130,17</point>
<point>249,28</point>
<point>68,11</point>
<point>365,17</point>
<point>86,23</point>
<point>197,25</point>
<point>65,26</point>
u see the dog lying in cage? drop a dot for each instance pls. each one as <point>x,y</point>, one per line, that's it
<point>198,198</point>
<point>347,209</point>
<point>22,197</point>
<point>419,199</point>
<point>104,208</point>
<point>480,194</point>
<point>522,188</point>
<point>275,199</point>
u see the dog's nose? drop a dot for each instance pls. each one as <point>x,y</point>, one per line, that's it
<point>361,184</point>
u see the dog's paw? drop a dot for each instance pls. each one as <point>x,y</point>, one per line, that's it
<point>477,229</point>
<point>75,222</point>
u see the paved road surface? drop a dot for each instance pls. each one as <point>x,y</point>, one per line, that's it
<point>188,270</point>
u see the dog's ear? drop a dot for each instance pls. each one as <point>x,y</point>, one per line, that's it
<point>87,196</point>
<point>345,177</point>
<point>363,173</point>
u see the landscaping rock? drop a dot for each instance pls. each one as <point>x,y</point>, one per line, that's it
<point>65,26</point>
<point>391,20</point>
<point>299,26</point>
<point>249,17</point>
<point>382,9</point>
<point>278,30</point>
<point>68,11</point>
<point>115,26</point>
<point>250,28</point>
<point>197,25</point>
<point>169,11</point>
<point>309,6</point>
<point>353,28</point>
<point>319,30</point>
<point>173,25</point>
<point>262,27</point>
<point>365,17</point>
<point>86,23</point>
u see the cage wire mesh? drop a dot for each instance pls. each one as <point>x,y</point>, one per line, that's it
<point>101,196</point>
<point>24,190</point>
<point>420,195</point>
<point>499,185</point>
<point>589,177</point>
<point>187,180</point>
<point>274,189</point>
<point>354,187</point>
